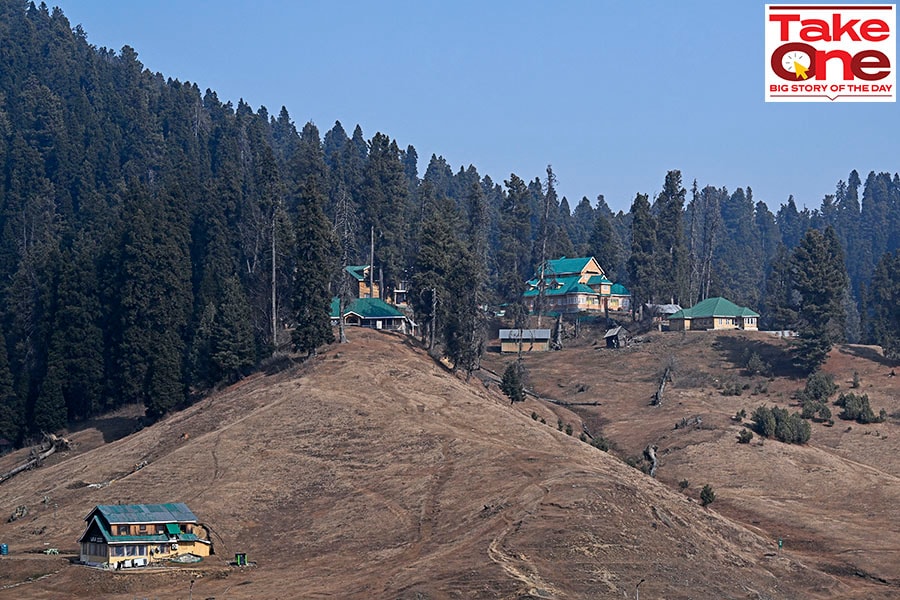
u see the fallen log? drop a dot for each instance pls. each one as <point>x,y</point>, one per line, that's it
<point>50,444</point>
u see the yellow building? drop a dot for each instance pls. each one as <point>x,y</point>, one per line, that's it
<point>571,285</point>
<point>714,313</point>
<point>135,535</point>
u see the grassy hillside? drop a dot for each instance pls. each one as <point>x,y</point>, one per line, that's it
<point>374,473</point>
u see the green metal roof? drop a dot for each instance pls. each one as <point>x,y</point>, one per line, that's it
<point>567,266</point>
<point>714,307</point>
<point>618,289</point>
<point>116,514</point>
<point>598,280</point>
<point>367,308</point>
<point>357,271</point>
<point>152,538</point>
<point>564,285</point>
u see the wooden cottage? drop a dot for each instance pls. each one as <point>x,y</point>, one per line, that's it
<point>531,340</point>
<point>134,535</point>
<point>714,313</point>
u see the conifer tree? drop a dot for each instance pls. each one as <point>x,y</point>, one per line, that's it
<point>514,255</point>
<point>11,409</point>
<point>603,244</point>
<point>820,278</point>
<point>233,352</point>
<point>316,262</point>
<point>670,250</point>
<point>885,293</point>
<point>155,301</point>
<point>642,269</point>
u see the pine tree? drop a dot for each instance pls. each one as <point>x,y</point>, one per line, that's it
<point>514,255</point>
<point>670,249</point>
<point>316,262</point>
<point>233,352</point>
<point>603,244</point>
<point>642,269</point>
<point>820,278</point>
<point>11,409</point>
<point>885,292</point>
<point>386,207</point>
<point>155,301</point>
<point>780,306</point>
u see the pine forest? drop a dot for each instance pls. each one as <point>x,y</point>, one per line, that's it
<point>156,241</point>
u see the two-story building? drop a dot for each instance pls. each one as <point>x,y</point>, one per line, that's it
<point>134,535</point>
<point>570,285</point>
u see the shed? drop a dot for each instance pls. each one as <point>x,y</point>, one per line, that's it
<point>616,337</point>
<point>531,340</point>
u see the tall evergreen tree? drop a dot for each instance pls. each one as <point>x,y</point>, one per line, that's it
<point>386,208</point>
<point>315,264</point>
<point>820,278</point>
<point>670,249</point>
<point>885,303</point>
<point>603,244</point>
<point>155,301</point>
<point>514,255</point>
<point>642,269</point>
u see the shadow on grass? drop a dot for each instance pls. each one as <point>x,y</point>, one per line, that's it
<point>737,349</point>
<point>868,354</point>
<point>112,428</point>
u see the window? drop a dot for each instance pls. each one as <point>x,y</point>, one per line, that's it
<point>142,529</point>
<point>123,529</point>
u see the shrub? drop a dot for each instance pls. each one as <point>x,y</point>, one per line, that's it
<point>783,426</point>
<point>740,415</point>
<point>819,387</point>
<point>513,382</point>
<point>745,436</point>
<point>583,437</point>
<point>755,365</point>
<point>534,416</point>
<point>683,484</point>
<point>855,383</point>
<point>857,408</point>
<point>568,429</point>
<point>600,443</point>
<point>707,495</point>
<point>559,424</point>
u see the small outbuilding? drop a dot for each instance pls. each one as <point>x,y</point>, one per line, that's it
<point>616,337</point>
<point>530,340</point>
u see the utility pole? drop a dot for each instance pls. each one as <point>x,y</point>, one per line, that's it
<point>372,261</point>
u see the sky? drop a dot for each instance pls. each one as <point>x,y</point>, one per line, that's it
<point>612,94</point>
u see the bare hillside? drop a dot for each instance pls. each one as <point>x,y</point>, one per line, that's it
<point>834,502</point>
<point>374,473</point>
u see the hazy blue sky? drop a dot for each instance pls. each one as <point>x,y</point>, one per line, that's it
<point>613,94</point>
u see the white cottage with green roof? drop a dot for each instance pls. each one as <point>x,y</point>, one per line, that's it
<point>714,313</point>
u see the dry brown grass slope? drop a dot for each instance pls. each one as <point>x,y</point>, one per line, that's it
<point>373,473</point>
